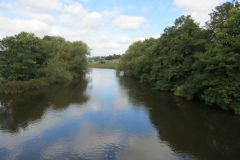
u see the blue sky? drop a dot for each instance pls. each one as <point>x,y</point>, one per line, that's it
<point>107,26</point>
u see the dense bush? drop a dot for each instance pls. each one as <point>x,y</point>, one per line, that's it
<point>25,57</point>
<point>191,61</point>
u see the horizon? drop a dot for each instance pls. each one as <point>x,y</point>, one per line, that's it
<point>108,27</point>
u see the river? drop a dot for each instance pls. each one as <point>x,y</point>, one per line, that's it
<point>105,117</point>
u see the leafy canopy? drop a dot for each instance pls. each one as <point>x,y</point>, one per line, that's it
<point>191,61</point>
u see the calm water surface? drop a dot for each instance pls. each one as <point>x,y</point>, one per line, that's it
<point>105,117</point>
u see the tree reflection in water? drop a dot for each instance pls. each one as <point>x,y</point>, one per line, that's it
<point>116,118</point>
<point>18,111</point>
<point>188,127</point>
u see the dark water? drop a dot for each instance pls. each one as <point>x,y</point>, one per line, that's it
<point>105,117</point>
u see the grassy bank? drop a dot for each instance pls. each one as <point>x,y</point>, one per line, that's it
<point>105,65</point>
<point>15,87</point>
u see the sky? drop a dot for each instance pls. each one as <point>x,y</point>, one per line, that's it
<point>107,26</point>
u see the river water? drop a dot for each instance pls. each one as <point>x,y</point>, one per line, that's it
<point>109,118</point>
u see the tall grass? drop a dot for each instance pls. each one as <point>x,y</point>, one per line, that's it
<point>15,87</point>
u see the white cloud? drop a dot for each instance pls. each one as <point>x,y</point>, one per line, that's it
<point>14,26</point>
<point>107,45</point>
<point>92,20</point>
<point>71,20</point>
<point>66,19</point>
<point>199,10</point>
<point>196,5</point>
<point>130,23</point>
<point>47,18</point>
<point>40,6</point>
<point>124,39</point>
<point>75,9</point>
<point>32,25</point>
<point>5,5</point>
<point>7,26</point>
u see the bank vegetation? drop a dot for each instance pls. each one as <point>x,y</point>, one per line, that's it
<point>193,61</point>
<point>28,62</point>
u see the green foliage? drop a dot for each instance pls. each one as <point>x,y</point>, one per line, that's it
<point>77,61</point>
<point>69,58</point>
<point>2,80</point>
<point>191,61</point>
<point>20,58</point>
<point>56,70</point>
<point>137,60</point>
<point>25,57</point>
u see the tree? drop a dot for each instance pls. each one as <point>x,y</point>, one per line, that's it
<point>77,60</point>
<point>193,62</point>
<point>177,48</point>
<point>24,57</point>
<point>21,57</point>
<point>66,59</point>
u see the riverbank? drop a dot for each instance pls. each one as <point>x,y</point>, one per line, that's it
<point>18,87</point>
<point>15,87</point>
<point>104,65</point>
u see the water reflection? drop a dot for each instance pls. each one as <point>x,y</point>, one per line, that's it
<point>191,129</point>
<point>106,117</point>
<point>17,111</point>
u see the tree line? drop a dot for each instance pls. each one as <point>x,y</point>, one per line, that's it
<point>25,57</point>
<point>102,59</point>
<point>193,61</point>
